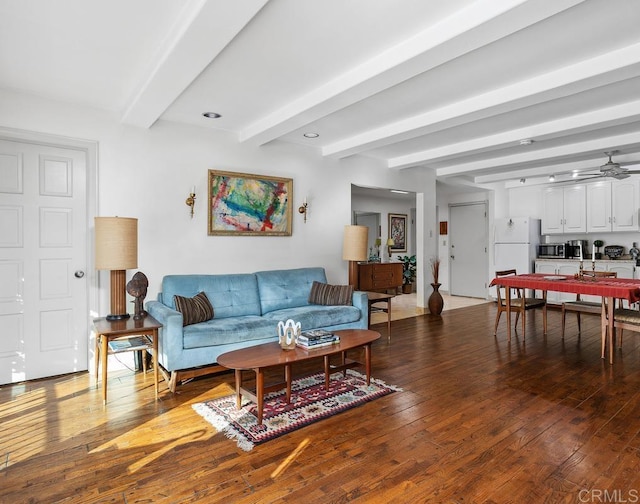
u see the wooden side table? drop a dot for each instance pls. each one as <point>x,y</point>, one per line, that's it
<point>123,330</point>
<point>378,297</point>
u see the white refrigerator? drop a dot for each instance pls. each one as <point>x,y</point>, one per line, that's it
<point>515,243</point>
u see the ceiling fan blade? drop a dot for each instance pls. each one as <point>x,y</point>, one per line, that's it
<point>592,176</point>
<point>632,172</point>
<point>620,175</point>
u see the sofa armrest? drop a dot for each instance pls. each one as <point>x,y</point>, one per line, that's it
<point>361,301</point>
<point>171,335</point>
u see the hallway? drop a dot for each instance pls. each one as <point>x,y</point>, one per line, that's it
<point>404,306</point>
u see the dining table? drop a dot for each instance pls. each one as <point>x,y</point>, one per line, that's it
<point>607,288</point>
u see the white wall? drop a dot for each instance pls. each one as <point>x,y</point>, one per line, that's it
<point>148,174</point>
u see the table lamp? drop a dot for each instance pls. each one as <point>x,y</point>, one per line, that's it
<point>117,250</point>
<point>354,249</point>
<point>390,243</point>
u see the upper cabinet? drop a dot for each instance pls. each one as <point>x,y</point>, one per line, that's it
<point>613,206</point>
<point>564,209</point>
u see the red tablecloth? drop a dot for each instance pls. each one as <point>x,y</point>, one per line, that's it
<point>620,288</point>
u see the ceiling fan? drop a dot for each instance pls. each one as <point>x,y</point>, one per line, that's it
<point>611,169</point>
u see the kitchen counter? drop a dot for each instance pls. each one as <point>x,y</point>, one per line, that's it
<point>624,260</point>
<point>571,259</point>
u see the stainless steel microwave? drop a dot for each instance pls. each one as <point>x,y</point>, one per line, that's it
<point>552,250</point>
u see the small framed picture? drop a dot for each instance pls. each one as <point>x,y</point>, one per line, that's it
<point>398,232</point>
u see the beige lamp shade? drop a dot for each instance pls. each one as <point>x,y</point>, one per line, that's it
<point>116,243</point>
<point>354,247</point>
<point>390,242</point>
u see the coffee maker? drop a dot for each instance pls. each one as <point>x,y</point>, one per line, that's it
<point>573,247</point>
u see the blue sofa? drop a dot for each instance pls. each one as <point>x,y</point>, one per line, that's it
<point>247,309</point>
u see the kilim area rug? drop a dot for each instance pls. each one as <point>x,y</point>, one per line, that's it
<point>310,402</point>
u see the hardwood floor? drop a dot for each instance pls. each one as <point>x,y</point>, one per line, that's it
<point>479,420</point>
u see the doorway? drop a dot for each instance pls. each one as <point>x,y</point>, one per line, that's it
<point>44,251</point>
<point>372,221</point>
<point>468,249</point>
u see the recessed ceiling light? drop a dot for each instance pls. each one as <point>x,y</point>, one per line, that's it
<point>311,135</point>
<point>398,191</point>
<point>523,180</point>
<point>526,141</point>
<point>211,115</point>
<point>552,178</point>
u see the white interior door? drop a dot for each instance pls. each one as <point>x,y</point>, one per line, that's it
<point>43,257</point>
<point>468,245</point>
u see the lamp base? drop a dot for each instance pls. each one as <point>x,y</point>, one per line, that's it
<point>353,274</point>
<point>118,296</point>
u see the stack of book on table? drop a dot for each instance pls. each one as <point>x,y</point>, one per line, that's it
<point>317,338</point>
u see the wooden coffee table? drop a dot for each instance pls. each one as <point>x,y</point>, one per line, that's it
<point>260,357</point>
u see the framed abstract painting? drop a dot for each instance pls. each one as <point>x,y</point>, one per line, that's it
<point>398,232</point>
<point>252,205</point>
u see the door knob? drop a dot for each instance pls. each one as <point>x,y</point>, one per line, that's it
<point>79,274</point>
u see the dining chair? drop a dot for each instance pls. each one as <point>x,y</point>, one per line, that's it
<point>520,303</point>
<point>624,318</point>
<point>580,306</point>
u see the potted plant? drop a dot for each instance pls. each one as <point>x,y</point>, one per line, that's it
<point>598,244</point>
<point>408,273</point>
<point>435,302</point>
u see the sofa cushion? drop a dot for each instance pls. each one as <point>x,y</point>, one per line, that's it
<point>195,309</point>
<point>232,295</point>
<point>325,294</point>
<point>287,288</point>
<point>229,330</point>
<point>317,316</point>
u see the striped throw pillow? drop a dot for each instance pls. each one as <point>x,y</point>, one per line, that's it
<point>195,309</point>
<point>325,294</point>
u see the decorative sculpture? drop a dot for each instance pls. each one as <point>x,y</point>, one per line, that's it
<point>288,333</point>
<point>137,287</point>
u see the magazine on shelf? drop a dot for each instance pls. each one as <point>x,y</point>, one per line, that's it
<point>135,343</point>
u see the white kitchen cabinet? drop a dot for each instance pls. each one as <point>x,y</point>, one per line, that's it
<point>613,206</point>
<point>624,268</point>
<point>625,198</point>
<point>564,209</point>
<point>558,268</point>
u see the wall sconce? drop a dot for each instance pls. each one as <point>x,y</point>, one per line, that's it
<point>303,209</point>
<point>191,200</point>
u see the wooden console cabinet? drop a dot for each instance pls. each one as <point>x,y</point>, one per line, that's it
<point>379,276</point>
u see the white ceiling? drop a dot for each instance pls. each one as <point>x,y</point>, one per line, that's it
<point>452,86</point>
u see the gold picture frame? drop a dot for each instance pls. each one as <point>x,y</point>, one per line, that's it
<point>245,204</point>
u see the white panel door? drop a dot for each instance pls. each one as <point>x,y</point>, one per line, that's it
<point>43,289</point>
<point>468,250</point>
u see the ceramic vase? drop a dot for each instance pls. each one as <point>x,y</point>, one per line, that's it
<point>435,303</point>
